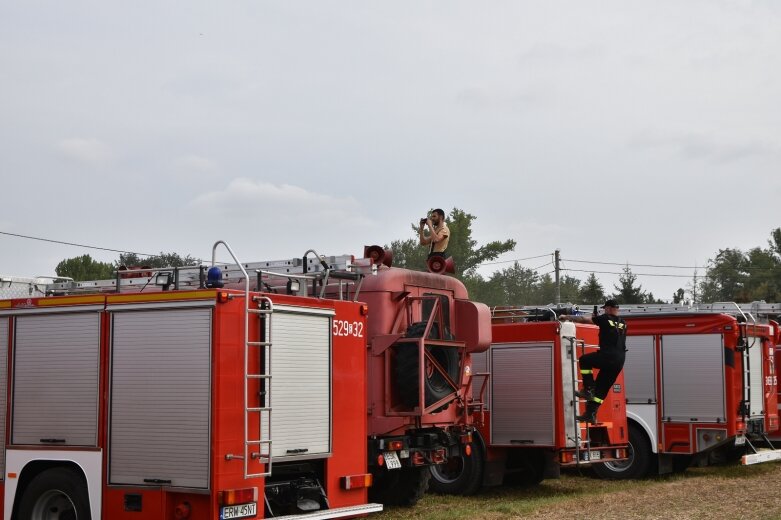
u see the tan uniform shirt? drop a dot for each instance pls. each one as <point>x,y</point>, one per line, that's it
<point>442,230</point>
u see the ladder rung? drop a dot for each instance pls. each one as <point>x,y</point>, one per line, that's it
<point>259,311</point>
<point>258,376</point>
<point>258,443</point>
<point>259,409</point>
<point>258,343</point>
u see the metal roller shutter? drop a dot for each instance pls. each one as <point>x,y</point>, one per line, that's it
<point>756,380</point>
<point>3,386</point>
<point>640,370</point>
<point>522,395</point>
<point>56,367</point>
<point>160,397</point>
<point>301,384</point>
<point>693,395</point>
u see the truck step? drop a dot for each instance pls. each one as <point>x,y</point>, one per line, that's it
<point>764,455</point>
<point>339,512</point>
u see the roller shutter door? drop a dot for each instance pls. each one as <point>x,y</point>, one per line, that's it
<point>640,370</point>
<point>522,395</point>
<point>160,397</point>
<point>56,367</point>
<point>301,384</point>
<point>756,380</point>
<point>693,378</point>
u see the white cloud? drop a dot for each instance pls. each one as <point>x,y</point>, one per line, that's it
<point>248,198</point>
<point>90,151</point>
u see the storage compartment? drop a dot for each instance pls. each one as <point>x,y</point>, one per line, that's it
<point>55,386</point>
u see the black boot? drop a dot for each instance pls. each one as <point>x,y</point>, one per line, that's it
<point>590,416</point>
<point>587,393</point>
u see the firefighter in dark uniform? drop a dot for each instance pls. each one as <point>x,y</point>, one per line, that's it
<point>609,359</point>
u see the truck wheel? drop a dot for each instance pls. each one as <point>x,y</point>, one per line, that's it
<point>57,493</point>
<point>460,475</point>
<point>641,460</point>
<point>406,374</point>
<point>399,487</point>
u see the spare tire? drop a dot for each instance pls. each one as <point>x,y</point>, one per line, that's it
<point>405,369</point>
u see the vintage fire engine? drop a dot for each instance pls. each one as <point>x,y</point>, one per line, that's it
<point>527,425</point>
<point>700,388</point>
<point>161,395</point>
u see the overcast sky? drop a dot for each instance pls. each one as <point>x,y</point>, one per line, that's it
<point>640,132</point>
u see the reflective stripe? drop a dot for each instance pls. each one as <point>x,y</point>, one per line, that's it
<point>612,323</point>
<point>586,371</point>
<point>597,400</point>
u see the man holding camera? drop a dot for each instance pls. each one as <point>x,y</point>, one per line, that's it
<point>438,234</point>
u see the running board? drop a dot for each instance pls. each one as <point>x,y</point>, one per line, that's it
<point>339,512</point>
<point>760,457</point>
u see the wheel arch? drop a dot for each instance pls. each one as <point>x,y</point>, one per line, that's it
<point>27,464</point>
<point>645,426</point>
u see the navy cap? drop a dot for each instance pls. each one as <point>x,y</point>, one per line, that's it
<point>611,303</point>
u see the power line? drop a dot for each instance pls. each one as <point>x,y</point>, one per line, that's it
<point>516,259</point>
<point>663,266</point>
<point>633,265</point>
<point>637,274</point>
<point>74,244</point>
<point>543,265</point>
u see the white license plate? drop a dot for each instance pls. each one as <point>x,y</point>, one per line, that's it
<point>239,511</point>
<point>740,440</point>
<point>594,455</point>
<point>391,460</point>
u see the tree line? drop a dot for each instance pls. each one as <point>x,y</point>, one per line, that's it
<point>732,275</point>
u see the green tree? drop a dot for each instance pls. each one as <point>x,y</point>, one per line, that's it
<point>157,261</point>
<point>726,277</point>
<point>627,292</point>
<point>679,295</point>
<point>515,285</point>
<point>84,268</point>
<point>592,291</point>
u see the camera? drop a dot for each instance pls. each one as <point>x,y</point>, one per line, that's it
<point>423,221</point>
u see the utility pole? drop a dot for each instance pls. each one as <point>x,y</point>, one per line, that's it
<point>557,269</point>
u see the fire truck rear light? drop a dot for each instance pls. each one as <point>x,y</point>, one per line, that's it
<point>741,425</point>
<point>468,450</point>
<point>380,460</point>
<point>396,445</point>
<point>231,497</point>
<point>418,459</point>
<point>222,297</point>
<point>357,481</point>
<point>364,310</point>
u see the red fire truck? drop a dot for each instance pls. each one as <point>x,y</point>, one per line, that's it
<point>700,388</point>
<point>527,426</point>
<point>134,398</point>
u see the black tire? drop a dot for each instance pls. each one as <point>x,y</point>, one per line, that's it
<point>56,491</point>
<point>399,487</point>
<point>641,462</point>
<point>461,475</point>
<point>406,371</point>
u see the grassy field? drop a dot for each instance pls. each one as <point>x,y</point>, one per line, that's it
<point>725,493</point>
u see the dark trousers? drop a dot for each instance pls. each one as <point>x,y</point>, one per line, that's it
<point>609,365</point>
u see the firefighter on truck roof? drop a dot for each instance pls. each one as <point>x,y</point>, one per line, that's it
<point>609,359</point>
